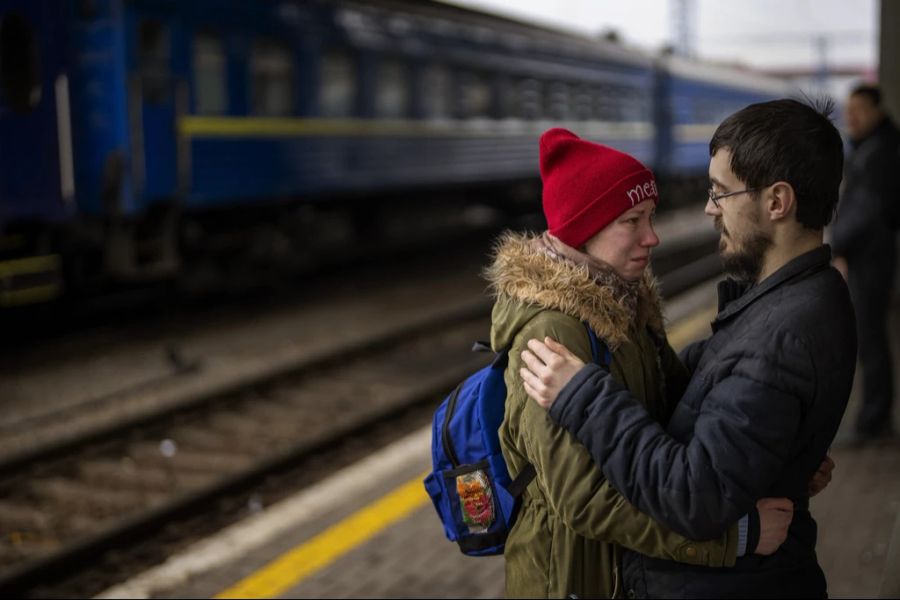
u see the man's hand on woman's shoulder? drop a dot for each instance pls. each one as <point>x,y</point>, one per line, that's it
<point>550,366</point>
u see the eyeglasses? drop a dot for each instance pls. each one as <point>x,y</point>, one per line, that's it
<point>715,198</point>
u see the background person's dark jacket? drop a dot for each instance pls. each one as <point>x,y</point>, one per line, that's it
<point>869,212</point>
<point>767,393</point>
<point>864,233</point>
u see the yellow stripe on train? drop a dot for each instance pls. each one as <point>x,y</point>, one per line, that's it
<point>29,280</point>
<point>695,133</point>
<point>29,265</point>
<point>236,127</point>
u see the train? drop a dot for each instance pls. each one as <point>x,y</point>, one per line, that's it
<point>132,130</point>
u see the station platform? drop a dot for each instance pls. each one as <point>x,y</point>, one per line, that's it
<point>370,531</point>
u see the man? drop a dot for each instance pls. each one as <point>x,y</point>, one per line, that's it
<point>768,388</point>
<point>863,239</point>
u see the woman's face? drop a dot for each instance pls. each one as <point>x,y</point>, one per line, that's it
<point>625,243</point>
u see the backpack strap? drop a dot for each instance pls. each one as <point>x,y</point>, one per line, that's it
<point>599,349</point>
<point>481,346</point>
<point>525,476</point>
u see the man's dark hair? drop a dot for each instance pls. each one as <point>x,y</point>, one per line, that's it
<point>872,92</point>
<point>792,141</point>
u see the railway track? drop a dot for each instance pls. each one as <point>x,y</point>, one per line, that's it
<point>136,479</point>
<point>96,494</point>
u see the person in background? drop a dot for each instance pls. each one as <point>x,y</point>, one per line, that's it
<point>864,241</point>
<point>591,268</point>
<point>768,388</point>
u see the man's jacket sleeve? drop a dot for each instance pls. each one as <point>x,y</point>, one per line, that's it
<point>576,489</point>
<point>742,438</point>
<point>690,355</point>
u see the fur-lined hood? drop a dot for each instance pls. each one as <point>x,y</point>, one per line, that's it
<point>523,274</point>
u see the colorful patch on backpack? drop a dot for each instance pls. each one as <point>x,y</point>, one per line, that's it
<point>476,500</point>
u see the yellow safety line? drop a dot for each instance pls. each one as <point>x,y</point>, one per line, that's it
<point>303,561</point>
<point>322,550</point>
<point>691,328</point>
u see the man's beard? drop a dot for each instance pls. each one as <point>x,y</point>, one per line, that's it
<point>744,261</point>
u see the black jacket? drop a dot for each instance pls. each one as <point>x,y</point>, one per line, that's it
<point>767,393</point>
<point>869,212</point>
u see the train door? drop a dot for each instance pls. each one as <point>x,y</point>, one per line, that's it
<point>662,118</point>
<point>36,170</point>
<point>153,109</point>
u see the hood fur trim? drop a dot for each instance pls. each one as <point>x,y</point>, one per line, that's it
<point>525,274</point>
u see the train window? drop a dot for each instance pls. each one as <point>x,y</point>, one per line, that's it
<point>607,102</point>
<point>529,103</point>
<point>20,72</point>
<point>436,92</point>
<point>507,98</point>
<point>636,106</point>
<point>210,83</point>
<point>704,111</point>
<point>645,110</point>
<point>392,89</point>
<point>153,61</point>
<point>722,110</point>
<point>557,103</point>
<point>582,101</point>
<point>475,95</point>
<point>337,84</point>
<point>599,103</point>
<point>271,79</point>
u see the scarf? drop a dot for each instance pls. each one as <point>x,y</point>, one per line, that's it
<point>625,292</point>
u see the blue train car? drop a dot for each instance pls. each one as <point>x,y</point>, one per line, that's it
<point>159,110</point>
<point>393,95</point>
<point>693,99</point>
<point>126,123</point>
<point>36,160</point>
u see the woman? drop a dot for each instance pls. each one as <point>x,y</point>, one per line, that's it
<point>589,268</point>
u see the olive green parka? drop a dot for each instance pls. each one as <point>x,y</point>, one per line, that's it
<point>572,523</point>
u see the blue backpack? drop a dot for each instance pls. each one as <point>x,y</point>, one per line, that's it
<point>470,485</point>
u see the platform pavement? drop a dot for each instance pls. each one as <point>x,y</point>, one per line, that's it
<point>859,513</point>
<point>857,517</point>
<point>409,559</point>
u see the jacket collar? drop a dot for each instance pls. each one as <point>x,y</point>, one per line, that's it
<point>735,296</point>
<point>522,273</point>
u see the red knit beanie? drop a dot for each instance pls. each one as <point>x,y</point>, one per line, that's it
<point>588,185</point>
